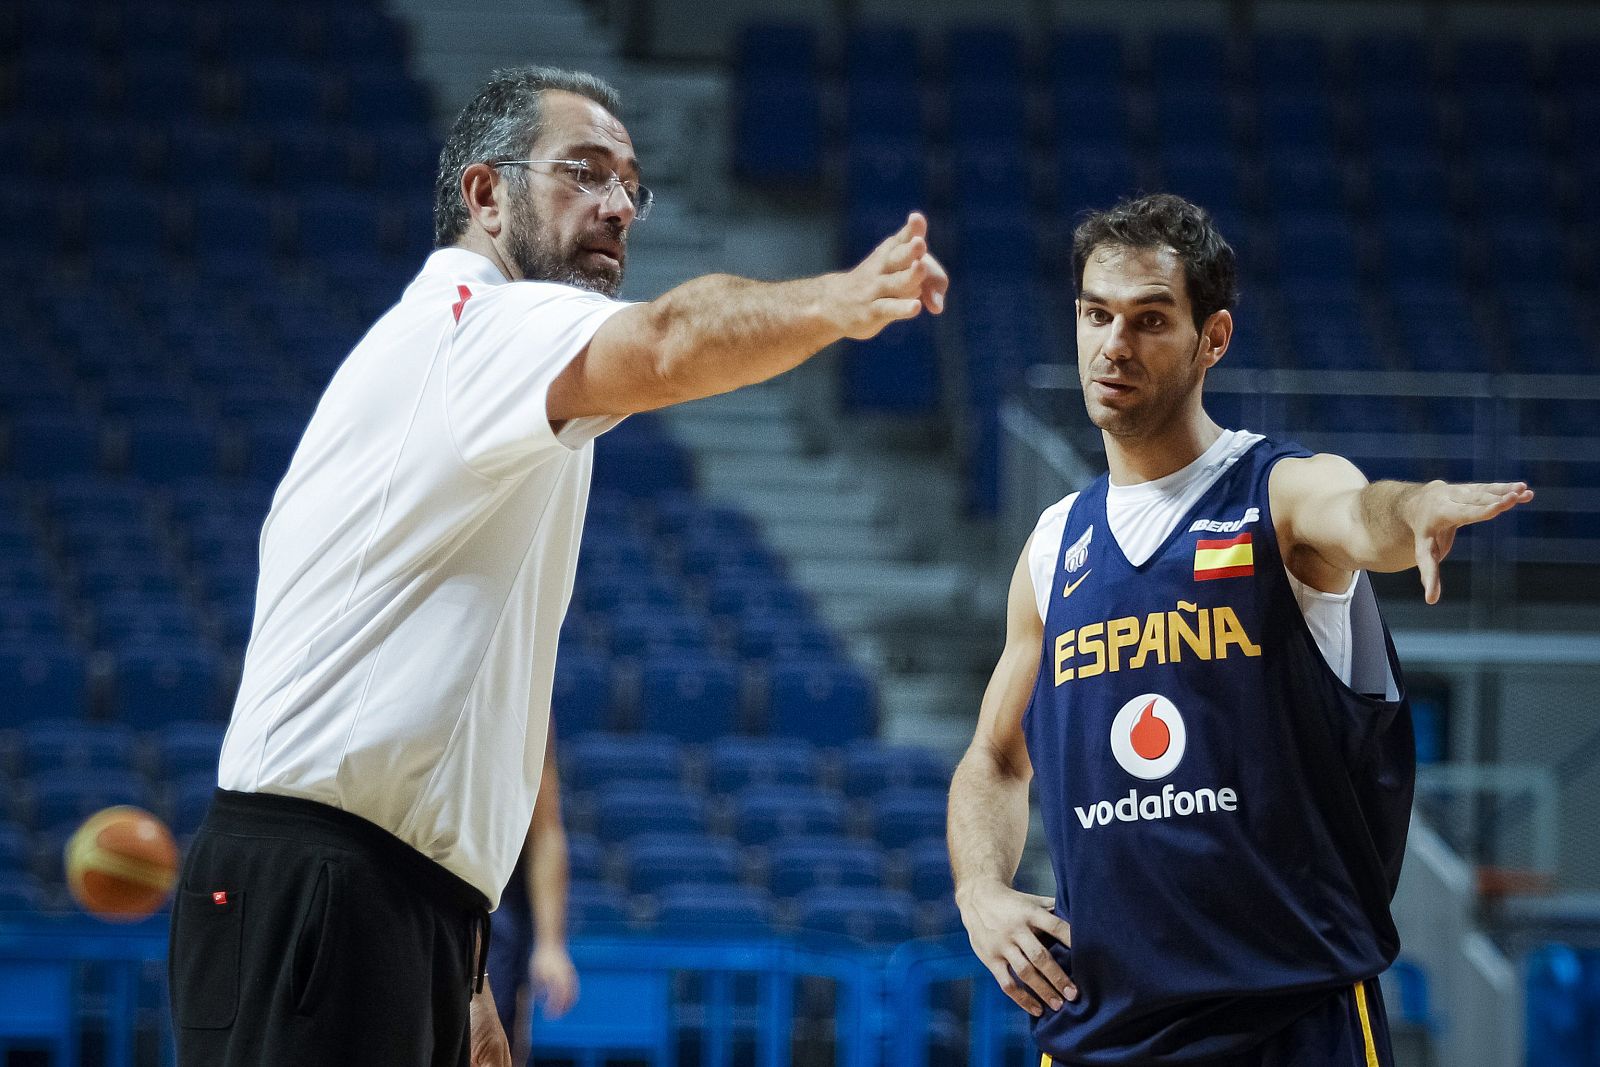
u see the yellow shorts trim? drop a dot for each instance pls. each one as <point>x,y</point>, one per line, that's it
<point>1366,1025</point>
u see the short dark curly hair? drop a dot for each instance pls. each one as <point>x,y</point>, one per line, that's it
<point>1162,220</point>
<point>502,122</point>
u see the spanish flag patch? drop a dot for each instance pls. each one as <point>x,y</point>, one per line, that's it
<point>1230,558</point>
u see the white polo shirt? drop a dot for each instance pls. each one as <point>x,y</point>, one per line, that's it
<point>415,568</point>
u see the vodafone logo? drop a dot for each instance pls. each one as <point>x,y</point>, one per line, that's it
<point>1148,737</point>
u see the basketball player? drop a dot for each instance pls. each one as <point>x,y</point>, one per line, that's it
<point>381,765</point>
<point>1196,676</point>
<point>528,944</point>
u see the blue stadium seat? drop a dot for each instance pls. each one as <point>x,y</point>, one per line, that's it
<point>715,908</point>
<point>595,906</point>
<point>887,174</point>
<point>883,110</point>
<point>1090,177</point>
<point>629,809</point>
<point>1399,121</point>
<point>138,619</point>
<point>140,399</point>
<point>764,812</point>
<point>1208,176</point>
<point>694,697</point>
<point>48,84</point>
<point>159,88</point>
<point>882,52</point>
<point>658,860</point>
<point>798,864</point>
<point>929,876</point>
<point>1291,122</point>
<point>45,679</point>
<point>73,745</point>
<point>310,159</point>
<point>1187,119</point>
<point>122,219</point>
<point>1087,57</point>
<point>21,893</point>
<point>365,33</point>
<point>282,93</point>
<point>732,763</point>
<point>873,915</point>
<point>189,800</point>
<point>271,444</point>
<point>743,594</point>
<point>187,747</point>
<point>595,760</point>
<point>158,683</point>
<point>1560,1028</point>
<point>776,48</point>
<point>897,372</point>
<point>401,154</point>
<point>16,852</point>
<point>249,32</point>
<point>1192,57</point>
<point>330,227</point>
<point>640,464</point>
<point>827,703</point>
<point>162,451</point>
<point>382,94</point>
<point>979,54</point>
<point>236,222</point>
<point>872,766</point>
<point>778,130</point>
<point>1305,179</point>
<point>585,857</point>
<point>28,616</point>
<point>639,630</point>
<point>56,445</point>
<point>584,693</point>
<point>608,592</point>
<point>1424,252</point>
<point>1288,62</point>
<point>1316,248</point>
<point>903,815</point>
<point>1512,186</point>
<point>60,799</point>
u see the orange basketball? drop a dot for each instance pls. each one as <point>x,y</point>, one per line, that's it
<point>122,863</point>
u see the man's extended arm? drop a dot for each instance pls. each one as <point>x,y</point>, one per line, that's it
<point>1332,522</point>
<point>548,873</point>
<point>988,822</point>
<point>717,333</point>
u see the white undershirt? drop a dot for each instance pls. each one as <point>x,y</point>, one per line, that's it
<point>1142,517</point>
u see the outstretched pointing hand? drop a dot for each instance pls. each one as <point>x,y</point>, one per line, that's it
<point>1442,508</point>
<point>896,281</point>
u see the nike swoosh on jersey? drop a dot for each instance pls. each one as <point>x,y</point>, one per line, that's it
<point>1067,589</point>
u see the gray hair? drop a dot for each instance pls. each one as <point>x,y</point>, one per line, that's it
<point>502,122</point>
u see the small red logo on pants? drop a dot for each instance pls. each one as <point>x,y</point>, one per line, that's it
<point>219,897</point>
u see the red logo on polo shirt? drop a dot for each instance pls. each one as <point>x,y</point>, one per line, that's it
<point>465,294</point>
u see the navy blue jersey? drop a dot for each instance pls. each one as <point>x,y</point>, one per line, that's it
<point>1226,816</point>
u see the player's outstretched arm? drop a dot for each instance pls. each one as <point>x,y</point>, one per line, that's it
<point>486,1037</point>
<point>1332,522</point>
<point>988,823</point>
<point>718,333</point>
<point>548,872</point>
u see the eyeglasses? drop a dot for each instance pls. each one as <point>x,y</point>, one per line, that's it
<point>595,180</point>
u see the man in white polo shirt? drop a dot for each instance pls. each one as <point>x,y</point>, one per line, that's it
<point>385,749</point>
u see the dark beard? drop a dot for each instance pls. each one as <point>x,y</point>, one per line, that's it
<point>536,260</point>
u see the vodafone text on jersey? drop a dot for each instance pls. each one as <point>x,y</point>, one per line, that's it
<point>1148,739</point>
